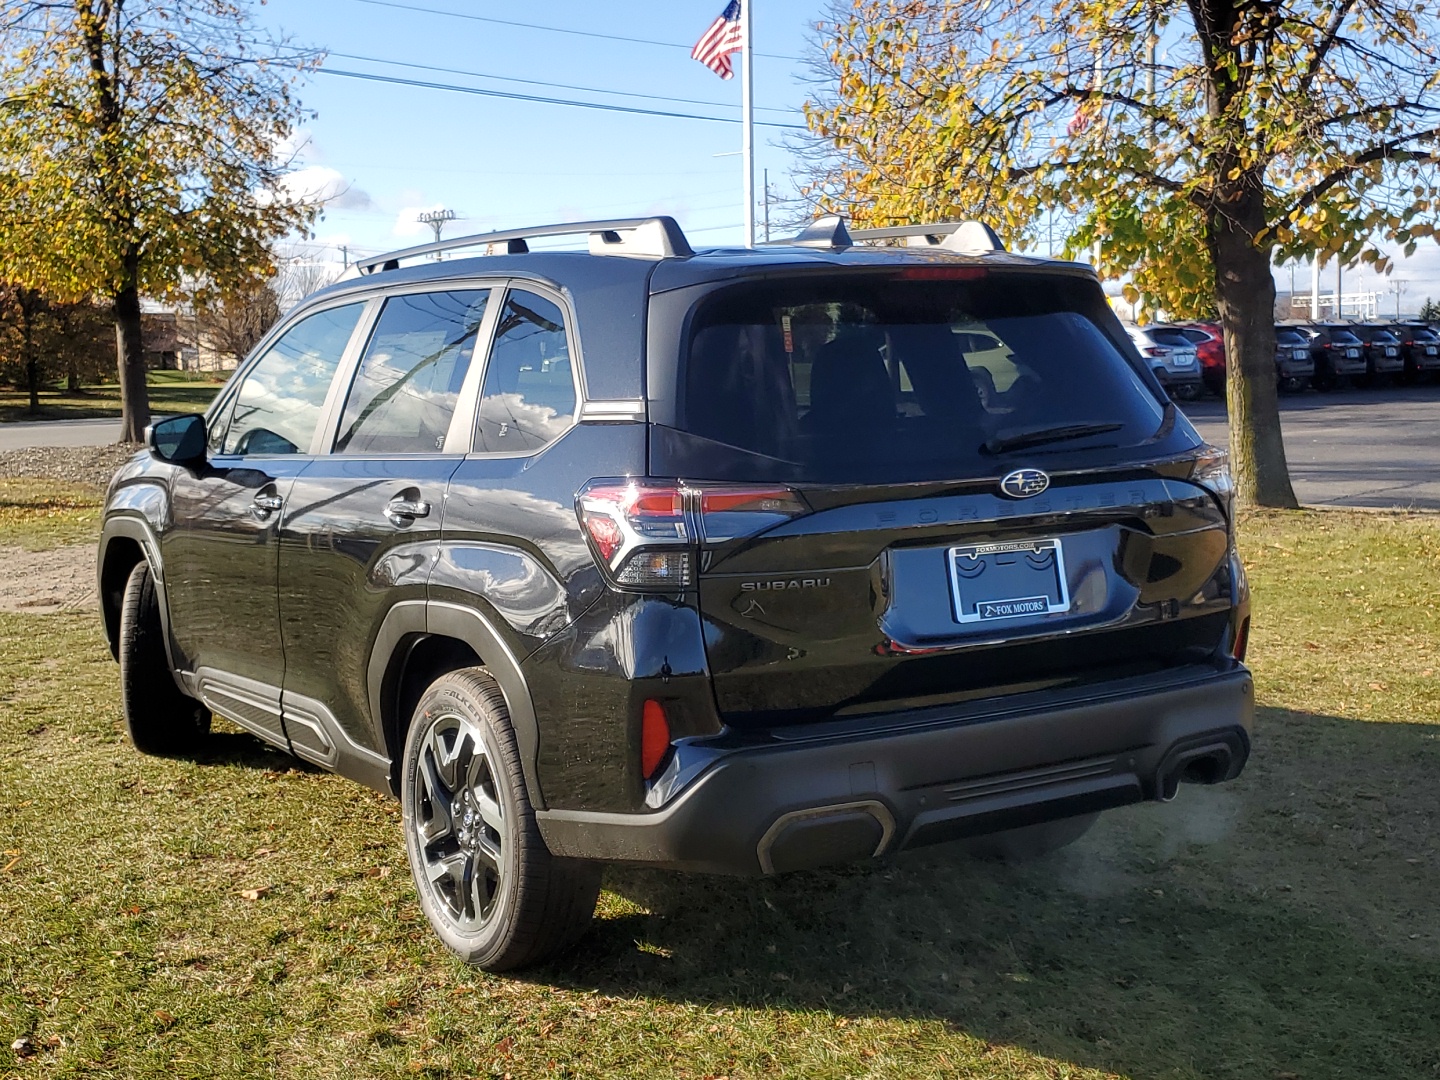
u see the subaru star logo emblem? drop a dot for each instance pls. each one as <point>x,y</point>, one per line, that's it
<point>1024,483</point>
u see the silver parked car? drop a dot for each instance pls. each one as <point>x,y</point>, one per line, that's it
<point>1171,355</point>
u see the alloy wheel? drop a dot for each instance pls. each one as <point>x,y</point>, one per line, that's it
<point>459,821</point>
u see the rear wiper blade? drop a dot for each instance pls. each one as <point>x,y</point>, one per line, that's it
<point>1019,438</point>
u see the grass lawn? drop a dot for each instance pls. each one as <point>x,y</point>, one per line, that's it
<point>242,915</point>
<point>170,392</point>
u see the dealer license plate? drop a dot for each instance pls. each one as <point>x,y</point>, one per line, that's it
<point>1008,580</point>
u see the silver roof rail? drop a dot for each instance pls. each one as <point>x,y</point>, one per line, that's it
<point>966,237</point>
<point>651,238</point>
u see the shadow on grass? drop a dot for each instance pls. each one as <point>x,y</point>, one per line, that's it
<point>240,748</point>
<point>1281,926</point>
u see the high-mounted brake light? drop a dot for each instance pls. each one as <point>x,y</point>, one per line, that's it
<point>942,273</point>
<point>642,531</point>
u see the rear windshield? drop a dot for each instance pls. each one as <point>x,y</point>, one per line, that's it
<point>1420,333</point>
<point>1290,337</point>
<point>892,379</point>
<point>1166,335</point>
<point>1341,336</point>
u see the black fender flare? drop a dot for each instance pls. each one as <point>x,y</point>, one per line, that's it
<point>467,624</point>
<point>136,528</point>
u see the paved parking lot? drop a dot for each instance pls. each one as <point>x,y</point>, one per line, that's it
<point>1376,448</point>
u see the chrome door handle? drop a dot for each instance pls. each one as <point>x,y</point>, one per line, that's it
<point>404,511</point>
<point>262,506</point>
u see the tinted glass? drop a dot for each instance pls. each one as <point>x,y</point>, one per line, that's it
<point>1422,334</point>
<point>1290,337</point>
<point>1339,335</point>
<point>279,403</point>
<point>529,394</point>
<point>410,376</point>
<point>1176,339</point>
<point>886,379</point>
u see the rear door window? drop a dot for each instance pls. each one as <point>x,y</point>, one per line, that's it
<point>404,392</point>
<point>894,378</point>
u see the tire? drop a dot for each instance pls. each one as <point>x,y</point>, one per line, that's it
<point>158,717</point>
<point>490,889</point>
<point>1032,841</point>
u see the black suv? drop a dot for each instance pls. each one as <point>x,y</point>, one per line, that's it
<point>733,560</point>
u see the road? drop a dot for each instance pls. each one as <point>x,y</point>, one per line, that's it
<point>1376,448</point>
<point>17,436</point>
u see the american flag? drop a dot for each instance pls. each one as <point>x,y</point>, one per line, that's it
<point>716,44</point>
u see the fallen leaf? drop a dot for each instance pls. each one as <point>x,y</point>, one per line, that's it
<point>1311,645</point>
<point>165,1018</point>
<point>254,894</point>
<point>1126,922</point>
<point>10,865</point>
<point>22,1047</point>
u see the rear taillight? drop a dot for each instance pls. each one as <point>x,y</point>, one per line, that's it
<point>1155,350</point>
<point>644,531</point>
<point>1211,470</point>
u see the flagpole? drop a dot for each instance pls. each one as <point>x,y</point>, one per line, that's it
<point>747,121</point>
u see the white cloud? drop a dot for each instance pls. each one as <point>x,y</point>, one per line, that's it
<point>322,184</point>
<point>408,225</point>
<point>298,146</point>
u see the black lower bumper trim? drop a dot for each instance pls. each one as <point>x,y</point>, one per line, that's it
<point>802,804</point>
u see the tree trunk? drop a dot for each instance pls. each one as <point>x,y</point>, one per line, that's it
<point>130,359</point>
<point>1245,295</point>
<point>27,347</point>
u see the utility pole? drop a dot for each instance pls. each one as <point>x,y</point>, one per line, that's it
<point>1339,296</point>
<point>345,256</point>
<point>1397,287</point>
<point>436,219</point>
<point>1315,287</point>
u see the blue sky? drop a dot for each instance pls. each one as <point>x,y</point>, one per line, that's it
<point>396,150</point>
<point>386,152</point>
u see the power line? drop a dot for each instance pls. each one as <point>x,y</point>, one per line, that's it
<point>551,29</point>
<point>546,82</point>
<point>511,96</point>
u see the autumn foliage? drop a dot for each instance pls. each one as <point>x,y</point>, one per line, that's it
<point>1194,142</point>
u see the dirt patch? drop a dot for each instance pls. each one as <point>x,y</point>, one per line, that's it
<point>44,582</point>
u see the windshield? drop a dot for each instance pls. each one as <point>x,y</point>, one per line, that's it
<point>1340,336</point>
<point>1290,337</point>
<point>891,379</point>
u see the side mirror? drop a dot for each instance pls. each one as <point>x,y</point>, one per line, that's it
<point>179,440</point>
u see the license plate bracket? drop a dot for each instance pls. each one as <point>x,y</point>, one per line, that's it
<point>1007,579</point>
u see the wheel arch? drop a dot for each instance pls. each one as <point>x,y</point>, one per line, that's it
<point>418,642</point>
<point>125,542</point>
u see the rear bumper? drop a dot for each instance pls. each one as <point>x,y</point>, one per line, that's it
<point>1181,377</point>
<point>1290,368</point>
<point>1388,364</point>
<point>839,797</point>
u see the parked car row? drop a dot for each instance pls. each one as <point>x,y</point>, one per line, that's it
<point>1189,358</point>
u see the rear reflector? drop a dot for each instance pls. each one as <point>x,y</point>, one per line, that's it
<point>654,737</point>
<point>1242,640</point>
